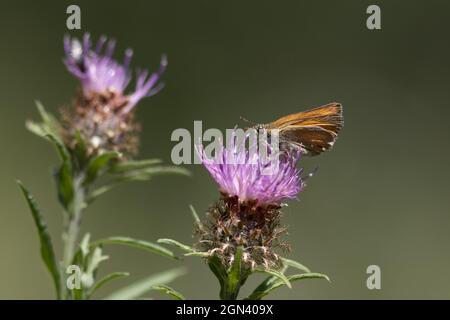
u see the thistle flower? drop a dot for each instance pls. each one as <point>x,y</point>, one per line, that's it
<point>248,213</point>
<point>103,113</point>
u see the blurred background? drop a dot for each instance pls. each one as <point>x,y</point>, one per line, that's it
<point>380,197</point>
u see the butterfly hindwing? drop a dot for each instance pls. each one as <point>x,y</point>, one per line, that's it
<point>314,131</point>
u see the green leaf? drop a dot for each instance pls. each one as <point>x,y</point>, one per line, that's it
<point>84,245</point>
<point>148,173</point>
<point>261,291</point>
<point>233,281</point>
<point>64,175</point>
<point>177,244</point>
<point>134,175</point>
<point>196,218</point>
<point>93,195</point>
<point>106,279</point>
<point>36,128</point>
<point>295,264</point>
<point>98,164</point>
<point>276,274</point>
<point>47,253</point>
<point>198,254</point>
<point>50,123</point>
<point>127,166</point>
<point>217,268</point>
<point>140,244</point>
<point>270,280</point>
<point>169,291</point>
<point>80,149</point>
<point>140,287</point>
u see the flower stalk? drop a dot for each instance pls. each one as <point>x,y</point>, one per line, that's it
<point>73,220</point>
<point>96,142</point>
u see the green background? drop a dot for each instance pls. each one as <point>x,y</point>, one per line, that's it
<point>381,196</point>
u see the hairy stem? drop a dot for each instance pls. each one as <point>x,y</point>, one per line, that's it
<point>73,220</point>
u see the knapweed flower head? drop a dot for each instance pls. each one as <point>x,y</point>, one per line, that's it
<point>253,191</point>
<point>103,112</point>
<point>254,178</point>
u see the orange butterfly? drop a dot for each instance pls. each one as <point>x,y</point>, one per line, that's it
<point>312,131</point>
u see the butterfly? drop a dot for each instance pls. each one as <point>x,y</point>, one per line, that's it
<point>312,132</point>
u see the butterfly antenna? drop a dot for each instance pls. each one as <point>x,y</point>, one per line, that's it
<point>248,121</point>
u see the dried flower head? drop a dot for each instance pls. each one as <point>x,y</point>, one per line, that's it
<point>248,213</point>
<point>103,113</point>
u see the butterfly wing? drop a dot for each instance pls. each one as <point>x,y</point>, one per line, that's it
<point>314,131</point>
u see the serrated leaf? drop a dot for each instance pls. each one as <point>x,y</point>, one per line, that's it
<point>47,253</point>
<point>140,287</point>
<point>177,244</point>
<point>261,292</point>
<point>295,264</point>
<point>140,244</point>
<point>98,164</point>
<point>169,291</point>
<point>106,279</point>
<point>127,166</point>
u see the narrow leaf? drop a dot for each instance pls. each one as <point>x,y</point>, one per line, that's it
<point>127,166</point>
<point>196,218</point>
<point>169,291</point>
<point>140,287</point>
<point>198,254</point>
<point>47,253</point>
<point>36,128</point>
<point>177,244</point>
<point>50,123</point>
<point>93,195</point>
<point>259,293</point>
<point>140,244</point>
<point>108,278</point>
<point>217,268</point>
<point>277,274</point>
<point>81,149</point>
<point>295,264</point>
<point>148,173</point>
<point>98,164</point>
<point>233,281</point>
<point>271,279</point>
<point>64,176</point>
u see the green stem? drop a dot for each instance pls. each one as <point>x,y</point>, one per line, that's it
<point>73,221</point>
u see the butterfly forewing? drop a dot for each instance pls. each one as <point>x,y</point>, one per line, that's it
<point>313,131</point>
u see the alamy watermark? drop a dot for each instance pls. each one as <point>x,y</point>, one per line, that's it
<point>259,145</point>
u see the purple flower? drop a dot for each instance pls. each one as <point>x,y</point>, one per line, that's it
<point>100,73</point>
<point>245,174</point>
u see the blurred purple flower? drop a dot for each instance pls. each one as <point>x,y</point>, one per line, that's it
<point>251,178</point>
<point>100,73</point>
